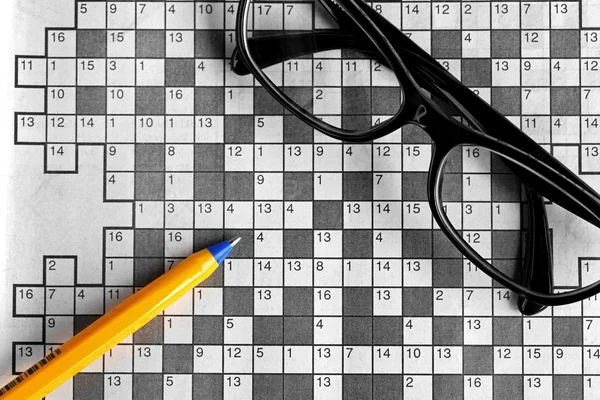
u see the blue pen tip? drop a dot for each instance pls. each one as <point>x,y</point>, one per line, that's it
<point>222,250</point>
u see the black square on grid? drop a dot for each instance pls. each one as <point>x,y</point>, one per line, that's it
<point>297,387</point>
<point>443,247</point>
<point>417,302</point>
<point>146,270</point>
<point>567,387</point>
<point>452,188</point>
<point>297,186</point>
<point>267,330</point>
<point>507,100</point>
<point>207,386</point>
<point>476,72</point>
<point>239,186</point>
<point>357,387</point>
<point>412,134</point>
<point>506,187</point>
<point>387,331</point>
<point>414,186</point>
<point>356,122</point>
<point>216,279</point>
<point>245,248</point>
<point>267,387</point>
<point>416,243</point>
<point>508,331</point>
<point>385,101</point>
<point>446,44</point>
<point>297,301</point>
<point>266,104</point>
<point>150,100</point>
<point>356,100</point>
<point>210,44</point>
<point>149,186</point>
<point>478,360</point>
<point>357,331</point>
<point>149,157</point>
<point>209,101</point>
<point>81,322</point>
<point>208,186</point>
<point>209,157</point>
<point>208,330</point>
<point>565,101</point>
<point>238,301</point>
<point>357,186</point>
<point>91,100</point>
<point>297,330</point>
<point>149,243</point>
<point>447,331</point>
<point>387,386</point>
<point>567,331</point>
<point>145,386</point>
<point>506,44</point>
<point>296,131</point>
<point>328,214</point>
<point>506,244</point>
<point>357,243</point>
<point>448,387</point>
<point>512,268</point>
<point>499,166</point>
<point>447,273</point>
<point>178,358</point>
<point>91,43</point>
<point>454,162</point>
<point>508,387</point>
<point>353,54</point>
<point>303,96</point>
<point>150,44</point>
<point>88,387</point>
<point>238,128</point>
<point>180,72</point>
<point>297,243</point>
<point>358,301</point>
<point>564,43</point>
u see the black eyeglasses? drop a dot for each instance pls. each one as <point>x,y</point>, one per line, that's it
<point>428,96</point>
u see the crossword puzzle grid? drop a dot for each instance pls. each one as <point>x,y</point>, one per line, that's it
<point>342,287</point>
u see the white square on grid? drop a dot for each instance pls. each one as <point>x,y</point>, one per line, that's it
<point>387,215</point>
<point>149,214</point>
<point>387,360</point>
<point>447,301</point>
<point>298,158</point>
<point>358,272</point>
<point>179,101</point>
<point>535,72</point>
<point>150,16</point>
<point>387,273</point>
<point>239,100</point>
<point>61,71</point>
<point>535,101</point>
<point>476,44</point>
<point>387,157</point>
<point>327,301</point>
<point>179,215</point>
<point>535,15</point>
<point>328,186</point>
<point>418,360</point>
<point>508,360</point>
<point>61,129</point>
<point>537,360</point>
<point>268,272</point>
<point>210,15</point>
<point>297,359</point>
<point>121,15</point>
<point>239,214</point>
<point>268,186</point>
<point>298,272</point>
<point>357,360</point>
<point>327,72</point>
<point>208,359</point>
<point>327,360</point>
<point>476,15</point>
<point>328,272</point>
<point>62,43</point>
<point>179,186</point>
<point>387,186</point>
<point>446,16</point>
<point>59,301</point>
<point>387,243</point>
<point>119,359</point>
<point>355,73</point>
<point>417,215</point>
<point>61,100</point>
<point>180,15</point>
<point>268,129</point>
<point>120,43</point>
<point>150,72</point>
<point>298,215</point>
<point>179,157</point>
<point>270,245</point>
<point>268,16</point>
<point>238,272</point>
<point>268,215</point>
<point>328,157</point>
<point>327,243</point>
<point>268,360</point>
<point>239,158</point>
<point>567,360</point>
<point>298,72</point>
<point>477,301</point>
<point>120,100</point>
<point>120,129</point>
<point>506,216</point>
<point>327,330</point>
<point>357,215</point>
<point>119,272</point>
<point>91,15</point>
<point>416,16</point>
<point>478,331</point>
<point>477,216</point>
<point>268,157</point>
<point>535,43</point>
<point>180,129</point>
<point>537,331</point>
<point>180,44</point>
<point>119,186</point>
<point>505,16</point>
<point>387,301</point>
<point>209,72</point>
<point>178,329</point>
<point>506,72</point>
<point>357,157</point>
<point>564,15</point>
<point>238,330</point>
<point>208,301</point>
<point>298,16</point>
<point>448,360</point>
<point>417,330</point>
<point>268,301</point>
<point>120,72</point>
<point>327,101</point>
<point>416,157</point>
<point>147,358</point>
<point>417,272</point>
<point>183,306</point>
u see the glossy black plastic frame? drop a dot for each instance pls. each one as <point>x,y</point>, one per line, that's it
<point>427,91</point>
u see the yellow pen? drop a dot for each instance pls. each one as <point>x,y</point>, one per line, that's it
<point>116,325</point>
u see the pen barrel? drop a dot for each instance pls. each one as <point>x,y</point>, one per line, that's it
<point>110,329</point>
